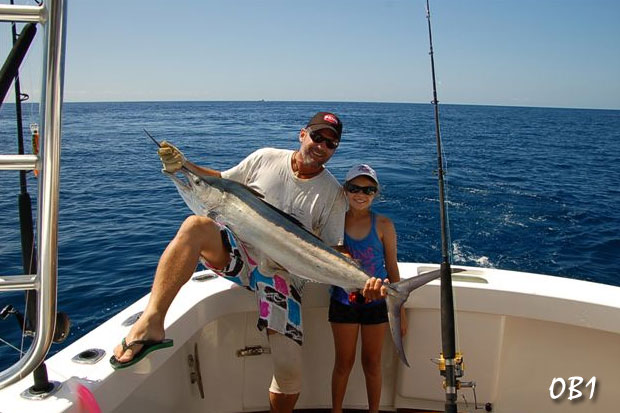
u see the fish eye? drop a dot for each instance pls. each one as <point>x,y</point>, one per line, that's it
<point>196,180</point>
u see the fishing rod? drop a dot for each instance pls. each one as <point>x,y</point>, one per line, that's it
<point>151,136</point>
<point>10,68</point>
<point>450,367</point>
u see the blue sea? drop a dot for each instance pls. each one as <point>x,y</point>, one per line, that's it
<point>529,189</point>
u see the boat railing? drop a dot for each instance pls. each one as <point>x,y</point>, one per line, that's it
<point>51,15</point>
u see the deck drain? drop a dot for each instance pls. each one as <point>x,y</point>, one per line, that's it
<point>204,276</point>
<point>90,356</point>
<point>131,320</point>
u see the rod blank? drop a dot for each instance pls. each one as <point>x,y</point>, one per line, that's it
<point>14,60</point>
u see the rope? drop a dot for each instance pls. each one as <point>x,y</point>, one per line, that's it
<point>12,346</point>
<point>21,347</point>
<point>30,270</point>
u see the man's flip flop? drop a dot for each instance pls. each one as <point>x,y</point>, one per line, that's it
<point>147,347</point>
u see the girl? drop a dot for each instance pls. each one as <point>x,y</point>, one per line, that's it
<point>371,240</point>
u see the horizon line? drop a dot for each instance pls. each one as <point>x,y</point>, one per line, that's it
<point>12,102</point>
<point>335,101</point>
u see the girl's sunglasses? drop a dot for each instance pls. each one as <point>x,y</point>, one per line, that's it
<point>318,138</point>
<point>354,189</point>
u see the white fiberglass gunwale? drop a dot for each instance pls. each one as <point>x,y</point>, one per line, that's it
<point>498,301</point>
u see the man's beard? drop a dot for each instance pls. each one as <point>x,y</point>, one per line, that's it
<point>308,161</point>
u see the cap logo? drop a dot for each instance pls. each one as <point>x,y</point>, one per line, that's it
<point>330,118</point>
<point>363,168</point>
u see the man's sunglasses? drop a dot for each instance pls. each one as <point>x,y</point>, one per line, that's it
<point>318,138</point>
<point>354,189</point>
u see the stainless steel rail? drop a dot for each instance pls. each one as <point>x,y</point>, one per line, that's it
<point>18,13</point>
<point>18,282</point>
<point>52,15</point>
<point>19,162</point>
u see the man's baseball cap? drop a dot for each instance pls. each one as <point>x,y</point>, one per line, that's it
<point>361,170</point>
<point>325,120</point>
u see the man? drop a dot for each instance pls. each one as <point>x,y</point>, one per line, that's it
<point>295,182</point>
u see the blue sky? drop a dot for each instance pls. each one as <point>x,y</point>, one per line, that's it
<point>558,53</point>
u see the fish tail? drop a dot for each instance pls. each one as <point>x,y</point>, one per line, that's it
<point>397,295</point>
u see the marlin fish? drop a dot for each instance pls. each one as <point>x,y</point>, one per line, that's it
<point>284,240</point>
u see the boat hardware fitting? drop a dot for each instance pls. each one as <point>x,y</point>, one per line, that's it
<point>253,351</point>
<point>42,388</point>
<point>204,276</point>
<point>194,366</point>
<point>30,394</point>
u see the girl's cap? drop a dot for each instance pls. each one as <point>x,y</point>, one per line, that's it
<point>359,170</point>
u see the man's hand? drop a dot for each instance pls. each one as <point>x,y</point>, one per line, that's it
<point>171,157</point>
<point>374,289</point>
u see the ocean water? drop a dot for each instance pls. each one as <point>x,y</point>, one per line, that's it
<point>529,189</point>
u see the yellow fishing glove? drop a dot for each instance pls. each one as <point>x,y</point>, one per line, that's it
<point>171,157</point>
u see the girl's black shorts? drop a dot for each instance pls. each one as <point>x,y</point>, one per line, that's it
<point>357,314</point>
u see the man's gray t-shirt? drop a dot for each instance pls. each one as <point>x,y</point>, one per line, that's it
<point>318,203</point>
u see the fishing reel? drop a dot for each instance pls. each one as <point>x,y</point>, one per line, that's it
<point>61,331</point>
<point>459,368</point>
<point>458,365</point>
<point>42,386</point>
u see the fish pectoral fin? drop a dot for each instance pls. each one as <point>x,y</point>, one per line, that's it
<point>269,267</point>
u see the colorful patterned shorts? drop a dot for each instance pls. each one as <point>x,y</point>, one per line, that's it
<point>278,296</point>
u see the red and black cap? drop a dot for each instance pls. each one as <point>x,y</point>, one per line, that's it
<point>325,120</point>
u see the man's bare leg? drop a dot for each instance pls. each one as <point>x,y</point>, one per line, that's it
<point>286,357</point>
<point>282,403</point>
<point>197,236</point>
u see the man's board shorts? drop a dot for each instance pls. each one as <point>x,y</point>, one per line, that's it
<point>278,296</point>
<point>357,314</point>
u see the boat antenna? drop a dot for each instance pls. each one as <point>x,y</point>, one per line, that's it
<point>448,341</point>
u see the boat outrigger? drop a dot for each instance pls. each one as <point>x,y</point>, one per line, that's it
<point>532,342</point>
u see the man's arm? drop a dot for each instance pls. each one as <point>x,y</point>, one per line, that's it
<point>205,170</point>
<point>173,160</point>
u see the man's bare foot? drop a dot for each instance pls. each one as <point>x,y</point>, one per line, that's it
<point>146,328</point>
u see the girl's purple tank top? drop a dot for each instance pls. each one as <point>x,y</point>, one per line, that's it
<point>369,252</point>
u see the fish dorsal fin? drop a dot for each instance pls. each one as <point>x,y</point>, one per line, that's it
<point>285,215</point>
<point>254,192</point>
<point>290,218</point>
<point>228,182</point>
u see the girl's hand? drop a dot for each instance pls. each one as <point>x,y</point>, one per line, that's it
<point>374,289</point>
